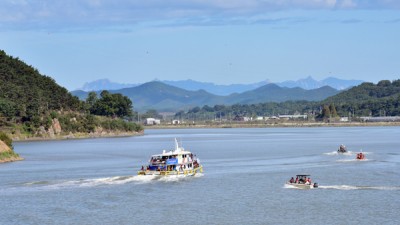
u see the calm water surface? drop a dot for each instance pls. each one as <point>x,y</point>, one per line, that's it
<point>93,181</point>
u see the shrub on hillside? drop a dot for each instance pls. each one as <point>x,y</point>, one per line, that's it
<point>7,140</point>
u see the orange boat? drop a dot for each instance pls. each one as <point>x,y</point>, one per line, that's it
<point>360,156</point>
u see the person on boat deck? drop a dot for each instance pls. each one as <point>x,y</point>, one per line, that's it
<point>308,181</point>
<point>297,180</point>
<point>142,168</point>
<point>291,180</point>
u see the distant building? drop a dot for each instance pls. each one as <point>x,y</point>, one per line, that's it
<point>242,118</point>
<point>176,122</point>
<point>292,116</point>
<point>238,118</point>
<point>247,119</point>
<point>152,121</point>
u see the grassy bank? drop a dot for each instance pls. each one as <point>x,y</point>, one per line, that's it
<point>9,157</point>
<point>7,153</point>
<point>77,135</point>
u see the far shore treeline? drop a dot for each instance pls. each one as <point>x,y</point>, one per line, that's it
<point>366,99</point>
<point>35,106</point>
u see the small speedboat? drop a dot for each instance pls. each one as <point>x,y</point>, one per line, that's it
<point>342,149</point>
<point>302,182</point>
<point>360,156</point>
<point>173,162</point>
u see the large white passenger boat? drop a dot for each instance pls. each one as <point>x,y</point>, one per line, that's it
<point>173,162</point>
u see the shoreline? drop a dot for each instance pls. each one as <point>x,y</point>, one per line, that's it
<point>77,136</point>
<point>273,125</point>
<point>12,159</point>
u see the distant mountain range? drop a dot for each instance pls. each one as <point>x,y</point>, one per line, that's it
<point>104,84</point>
<point>224,90</point>
<point>309,83</point>
<point>164,97</point>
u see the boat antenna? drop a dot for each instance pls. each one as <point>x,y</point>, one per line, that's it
<point>176,145</point>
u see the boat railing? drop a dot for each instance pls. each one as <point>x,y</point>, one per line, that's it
<point>175,172</point>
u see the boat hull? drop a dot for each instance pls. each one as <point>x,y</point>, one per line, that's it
<point>171,173</point>
<point>302,186</point>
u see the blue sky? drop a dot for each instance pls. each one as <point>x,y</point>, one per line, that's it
<point>220,41</point>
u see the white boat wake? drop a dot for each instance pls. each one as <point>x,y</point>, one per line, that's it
<point>116,180</point>
<point>350,187</point>
<point>348,153</point>
<point>353,160</point>
<point>337,153</point>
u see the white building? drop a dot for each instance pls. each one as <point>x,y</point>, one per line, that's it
<point>152,121</point>
<point>176,122</point>
<point>292,116</point>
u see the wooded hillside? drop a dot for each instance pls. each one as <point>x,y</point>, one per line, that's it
<point>36,105</point>
<point>25,93</point>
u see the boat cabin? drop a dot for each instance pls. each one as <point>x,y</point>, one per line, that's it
<point>170,160</point>
<point>174,162</point>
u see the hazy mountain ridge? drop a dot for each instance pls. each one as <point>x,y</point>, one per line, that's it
<point>224,90</point>
<point>104,84</point>
<point>217,89</point>
<point>309,83</point>
<point>274,93</point>
<point>163,97</point>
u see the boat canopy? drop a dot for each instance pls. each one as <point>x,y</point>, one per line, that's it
<point>172,153</point>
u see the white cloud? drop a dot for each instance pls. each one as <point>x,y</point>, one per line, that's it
<point>24,13</point>
<point>348,4</point>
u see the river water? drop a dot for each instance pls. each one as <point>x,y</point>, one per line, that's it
<point>93,181</point>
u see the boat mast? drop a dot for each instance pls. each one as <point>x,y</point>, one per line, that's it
<point>176,145</point>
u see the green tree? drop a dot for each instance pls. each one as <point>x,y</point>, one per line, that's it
<point>112,105</point>
<point>332,110</point>
<point>91,100</point>
<point>7,108</point>
<point>325,114</point>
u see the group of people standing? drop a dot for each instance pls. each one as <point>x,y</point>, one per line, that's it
<point>305,180</point>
